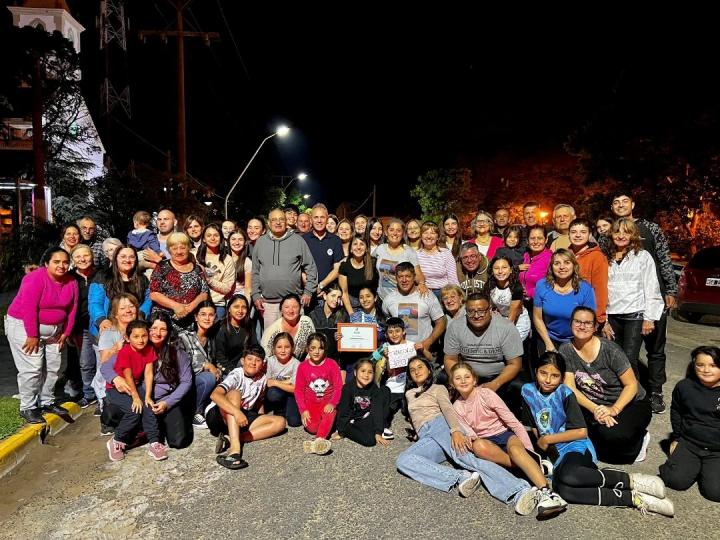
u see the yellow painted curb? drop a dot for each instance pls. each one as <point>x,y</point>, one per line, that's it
<point>15,448</point>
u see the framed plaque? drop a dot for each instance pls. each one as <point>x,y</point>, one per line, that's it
<point>357,337</point>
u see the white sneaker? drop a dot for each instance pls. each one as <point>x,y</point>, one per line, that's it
<point>647,503</point>
<point>527,501</point>
<point>642,454</point>
<point>648,484</point>
<point>469,485</point>
<point>547,467</point>
<point>550,505</point>
<point>388,434</point>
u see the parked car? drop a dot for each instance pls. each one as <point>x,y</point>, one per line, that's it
<point>699,286</point>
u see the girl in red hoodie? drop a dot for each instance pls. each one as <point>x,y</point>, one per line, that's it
<point>318,387</point>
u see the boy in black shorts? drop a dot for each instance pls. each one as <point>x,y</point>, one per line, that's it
<point>235,409</point>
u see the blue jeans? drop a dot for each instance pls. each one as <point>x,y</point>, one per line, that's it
<point>422,462</point>
<point>205,383</point>
<point>283,404</point>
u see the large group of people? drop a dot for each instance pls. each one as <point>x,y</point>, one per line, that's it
<point>514,355</point>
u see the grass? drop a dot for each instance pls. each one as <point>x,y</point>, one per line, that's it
<point>10,419</point>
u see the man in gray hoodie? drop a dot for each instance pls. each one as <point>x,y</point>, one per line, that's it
<point>280,257</point>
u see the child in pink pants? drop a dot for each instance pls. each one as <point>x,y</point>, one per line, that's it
<point>318,387</point>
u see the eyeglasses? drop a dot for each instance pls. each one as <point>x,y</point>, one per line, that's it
<point>586,324</point>
<point>469,257</point>
<point>478,312</point>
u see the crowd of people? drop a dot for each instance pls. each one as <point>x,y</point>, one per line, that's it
<point>512,354</point>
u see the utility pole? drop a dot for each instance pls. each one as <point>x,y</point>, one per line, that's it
<point>181,36</point>
<point>113,30</point>
<point>39,208</point>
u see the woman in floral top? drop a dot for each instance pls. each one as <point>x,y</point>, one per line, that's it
<point>178,285</point>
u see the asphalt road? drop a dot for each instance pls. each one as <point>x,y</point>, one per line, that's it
<point>69,489</point>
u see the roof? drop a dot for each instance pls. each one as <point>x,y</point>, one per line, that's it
<point>46,4</point>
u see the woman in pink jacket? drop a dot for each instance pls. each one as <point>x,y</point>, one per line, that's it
<point>535,261</point>
<point>38,322</point>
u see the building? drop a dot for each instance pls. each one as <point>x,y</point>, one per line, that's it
<point>16,133</point>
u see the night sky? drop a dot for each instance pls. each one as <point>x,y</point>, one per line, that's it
<point>380,97</point>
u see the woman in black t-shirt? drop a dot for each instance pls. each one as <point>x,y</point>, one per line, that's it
<point>356,272</point>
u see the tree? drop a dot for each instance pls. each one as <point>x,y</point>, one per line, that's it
<point>443,191</point>
<point>669,157</point>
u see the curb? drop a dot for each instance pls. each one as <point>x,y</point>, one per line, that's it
<point>15,448</point>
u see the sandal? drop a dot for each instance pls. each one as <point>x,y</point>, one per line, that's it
<point>232,462</point>
<point>222,444</point>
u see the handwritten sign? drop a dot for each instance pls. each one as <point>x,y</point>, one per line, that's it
<point>399,355</point>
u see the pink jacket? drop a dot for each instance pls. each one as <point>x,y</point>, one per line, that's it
<point>42,300</point>
<point>537,271</point>
<point>483,414</point>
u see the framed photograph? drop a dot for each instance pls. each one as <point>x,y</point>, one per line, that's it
<point>360,337</point>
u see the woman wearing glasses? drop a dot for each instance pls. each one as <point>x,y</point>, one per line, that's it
<point>484,226</point>
<point>615,406</point>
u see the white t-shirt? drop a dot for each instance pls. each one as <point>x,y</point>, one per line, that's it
<point>281,372</point>
<point>396,384</point>
<point>417,311</point>
<point>250,389</point>
<point>386,263</point>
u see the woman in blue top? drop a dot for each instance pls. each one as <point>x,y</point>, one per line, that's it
<point>556,297</point>
<point>552,411</point>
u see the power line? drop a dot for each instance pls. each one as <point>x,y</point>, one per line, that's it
<point>363,204</point>
<point>232,38</point>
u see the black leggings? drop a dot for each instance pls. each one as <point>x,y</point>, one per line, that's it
<point>578,480</point>
<point>621,443</point>
<point>690,463</point>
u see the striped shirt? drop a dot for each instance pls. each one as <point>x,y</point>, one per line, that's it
<point>438,268</point>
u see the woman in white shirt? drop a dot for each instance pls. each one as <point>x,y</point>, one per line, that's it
<point>634,299</point>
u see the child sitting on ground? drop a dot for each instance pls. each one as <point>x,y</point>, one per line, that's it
<point>318,387</point>
<point>363,407</point>
<point>235,407</point>
<point>695,418</point>
<point>134,363</point>
<point>498,436</point>
<point>141,237</point>
<point>552,411</point>
<point>281,372</point>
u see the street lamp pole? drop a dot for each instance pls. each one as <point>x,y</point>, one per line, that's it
<point>301,177</point>
<point>282,131</point>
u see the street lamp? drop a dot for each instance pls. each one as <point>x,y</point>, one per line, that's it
<point>282,131</point>
<point>306,196</point>
<point>302,176</point>
<point>543,215</point>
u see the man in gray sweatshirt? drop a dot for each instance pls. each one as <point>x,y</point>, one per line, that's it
<point>280,257</point>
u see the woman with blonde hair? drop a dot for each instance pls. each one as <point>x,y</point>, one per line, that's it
<point>178,285</point>
<point>634,298</point>
<point>437,263</point>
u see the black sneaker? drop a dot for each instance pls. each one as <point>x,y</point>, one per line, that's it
<point>85,402</point>
<point>32,416</point>
<point>106,430</point>
<point>55,409</point>
<point>657,403</point>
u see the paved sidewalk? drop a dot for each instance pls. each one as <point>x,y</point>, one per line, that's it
<point>72,490</point>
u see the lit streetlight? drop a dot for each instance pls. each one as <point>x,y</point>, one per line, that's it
<point>306,196</point>
<point>282,131</point>
<point>302,176</point>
